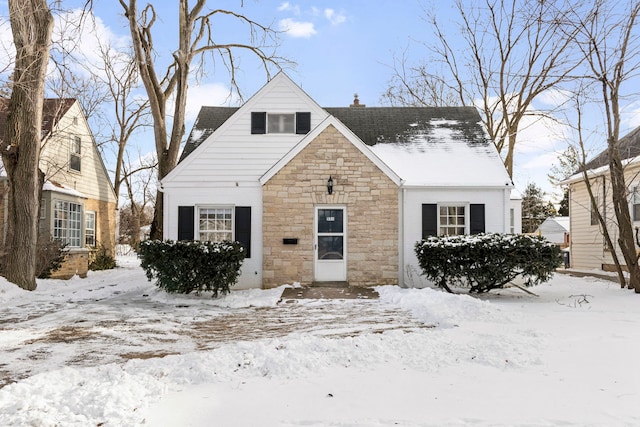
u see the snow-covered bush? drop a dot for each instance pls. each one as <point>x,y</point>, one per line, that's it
<point>188,266</point>
<point>487,261</point>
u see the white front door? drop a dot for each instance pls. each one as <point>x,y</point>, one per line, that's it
<point>330,244</point>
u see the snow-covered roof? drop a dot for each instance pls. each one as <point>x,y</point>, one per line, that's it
<point>61,188</point>
<point>440,156</point>
<point>555,224</point>
<point>425,146</point>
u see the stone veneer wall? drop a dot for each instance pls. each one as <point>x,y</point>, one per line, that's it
<point>76,262</point>
<point>106,222</point>
<point>371,200</point>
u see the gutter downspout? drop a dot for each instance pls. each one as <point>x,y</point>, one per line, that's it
<point>401,247</point>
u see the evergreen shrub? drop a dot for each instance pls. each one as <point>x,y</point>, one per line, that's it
<point>487,261</point>
<point>192,266</point>
<point>50,254</point>
<point>101,259</point>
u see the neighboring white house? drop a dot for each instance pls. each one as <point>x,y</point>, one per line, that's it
<point>334,194</point>
<point>555,229</point>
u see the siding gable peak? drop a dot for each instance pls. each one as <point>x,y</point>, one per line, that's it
<point>275,96</point>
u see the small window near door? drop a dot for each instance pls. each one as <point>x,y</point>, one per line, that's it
<point>215,224</point>
<point>452,220</point>
<point>90,228</point>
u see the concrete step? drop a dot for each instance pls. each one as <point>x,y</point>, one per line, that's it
<point>334,284</point>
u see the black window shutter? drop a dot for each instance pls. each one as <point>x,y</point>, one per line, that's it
<point>258,123</point>
<point>429,220</point>
<point>185,222</point>
<point>243,228</point>
<point>476,223</point>
<point>303,123</point>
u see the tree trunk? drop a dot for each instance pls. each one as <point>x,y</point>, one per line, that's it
<point>31,24</point>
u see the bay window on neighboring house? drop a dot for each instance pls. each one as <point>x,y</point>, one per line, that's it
<point>67,223</point>
<point>90,228</point>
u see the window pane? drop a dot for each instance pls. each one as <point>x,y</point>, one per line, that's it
<point>281,123</point>
<point>330,247</point>
<point>215,224</point>
<point>67,223</point>
<point>330,220</point>
<point>452,220</point>
<point>90,228</point>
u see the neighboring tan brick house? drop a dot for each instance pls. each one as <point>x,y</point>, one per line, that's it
<point>78,204</point>
<point>333,194</point>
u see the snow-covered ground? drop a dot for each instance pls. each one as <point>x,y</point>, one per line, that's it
<point>84,352</point>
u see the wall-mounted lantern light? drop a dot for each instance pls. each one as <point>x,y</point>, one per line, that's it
<point>330,185</point>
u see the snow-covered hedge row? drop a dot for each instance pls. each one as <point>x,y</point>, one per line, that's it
<point>487,261</point>
<point>188,266</point>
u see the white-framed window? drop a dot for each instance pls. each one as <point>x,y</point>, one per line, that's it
<point>452,220</point>
<point>43,208</point>
<point>281,123</point>
<point>90,228</point>
<point>512,221</point>
<point>67,223</point>
<point>215,224</point>
<point>635,204</point>
<point>75,153</point>
<point>594,210</point>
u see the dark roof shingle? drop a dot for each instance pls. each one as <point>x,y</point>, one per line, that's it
<point>628,145</point>
<point>53,110</point>
<point>373,125</point>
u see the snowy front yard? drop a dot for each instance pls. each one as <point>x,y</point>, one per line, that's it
<point>89,352</point>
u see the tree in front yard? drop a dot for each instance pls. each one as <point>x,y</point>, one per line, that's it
<point>32,26</point>
<point>534,208</point>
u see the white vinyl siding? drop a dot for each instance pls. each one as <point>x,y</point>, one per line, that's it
<point>92,180</point>
<point>236,156</point>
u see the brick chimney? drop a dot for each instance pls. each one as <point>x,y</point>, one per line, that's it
<point>356,101</point>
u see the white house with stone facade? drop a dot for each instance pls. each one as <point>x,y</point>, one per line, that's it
<point>334,194</point>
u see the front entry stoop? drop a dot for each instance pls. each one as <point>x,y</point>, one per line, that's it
<point>334,284</point>
<point>322,292</point>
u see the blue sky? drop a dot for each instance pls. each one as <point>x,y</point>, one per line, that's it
<point>340,48</point>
